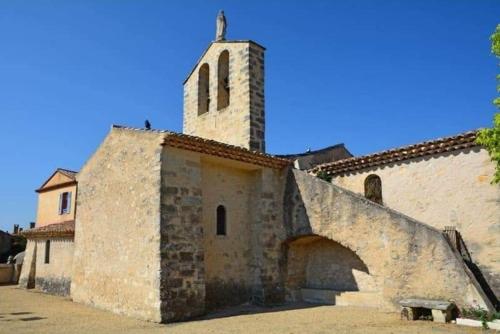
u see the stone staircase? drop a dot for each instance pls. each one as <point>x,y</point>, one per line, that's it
<point>341,298</point>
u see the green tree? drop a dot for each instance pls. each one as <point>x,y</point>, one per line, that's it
<point>324,176</point>
<point>490,137</point>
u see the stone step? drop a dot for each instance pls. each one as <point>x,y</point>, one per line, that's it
<point>341,298</point>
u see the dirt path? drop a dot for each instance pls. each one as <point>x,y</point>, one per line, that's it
<point>33,312</point>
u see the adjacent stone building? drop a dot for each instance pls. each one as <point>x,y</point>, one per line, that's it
<point>170,226</point>
<point>310,159</point>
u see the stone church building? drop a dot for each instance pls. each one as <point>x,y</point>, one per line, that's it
<point>171,225</point>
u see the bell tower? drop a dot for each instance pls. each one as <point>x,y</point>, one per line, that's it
<point>224,93</point>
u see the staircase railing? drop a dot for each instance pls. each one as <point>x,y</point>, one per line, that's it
<point>457,242</point>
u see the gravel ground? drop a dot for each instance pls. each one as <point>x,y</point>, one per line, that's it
<point>33,312</point>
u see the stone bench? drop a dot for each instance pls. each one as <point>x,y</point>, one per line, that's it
<point>414,309</point>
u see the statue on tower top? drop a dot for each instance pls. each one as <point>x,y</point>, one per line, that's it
<point>220,34</point>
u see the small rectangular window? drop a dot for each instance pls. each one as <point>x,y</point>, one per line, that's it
<point>221,220</point>
<point>47,251</point>
<point>64,203</point>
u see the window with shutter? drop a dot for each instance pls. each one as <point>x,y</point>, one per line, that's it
<point>64,203</point>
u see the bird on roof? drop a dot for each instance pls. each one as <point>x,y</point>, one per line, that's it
<point>147,125</point>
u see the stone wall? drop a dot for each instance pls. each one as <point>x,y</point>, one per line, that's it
<point>9,273</point>
<point>6,273</point>
<point>182,288</point>
<point>242,122</point>
<point>200,270</point>
<point>320,263</point>
<point>406,258</point>
<point>257,101</point>
<point>227,257</point>
<point>268,234</point>
<point>445,190</point>
<point>54,277</point>
<point>117,233</point>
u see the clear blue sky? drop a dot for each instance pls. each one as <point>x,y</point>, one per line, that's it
<point>370,74</point>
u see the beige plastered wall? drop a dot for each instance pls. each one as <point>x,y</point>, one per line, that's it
<point>48,206</point>
<point>55,276</point>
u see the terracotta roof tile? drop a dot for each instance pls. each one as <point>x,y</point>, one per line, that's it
<point>441,145</point>
<point>215,148</point>
<point>64,229</point>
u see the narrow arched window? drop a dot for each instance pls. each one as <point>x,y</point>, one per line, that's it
<point>203,89</point>
<point>47,251</point>
<point>223,80</point>
<point>373,188</point>
<point>221,220</point>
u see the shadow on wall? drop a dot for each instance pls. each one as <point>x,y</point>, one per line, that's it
<point>315,262</point>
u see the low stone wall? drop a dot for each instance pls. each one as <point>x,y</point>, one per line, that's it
<point>6,273</point>
<point>9,273</point>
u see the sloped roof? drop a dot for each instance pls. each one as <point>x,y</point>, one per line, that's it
<point>69,173</point>
<point>311,159</point>
<point>64,229</point>
<point>215,148</point>
<point>321,150</point>
<point>436,146</point>
<point>66,172</point>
